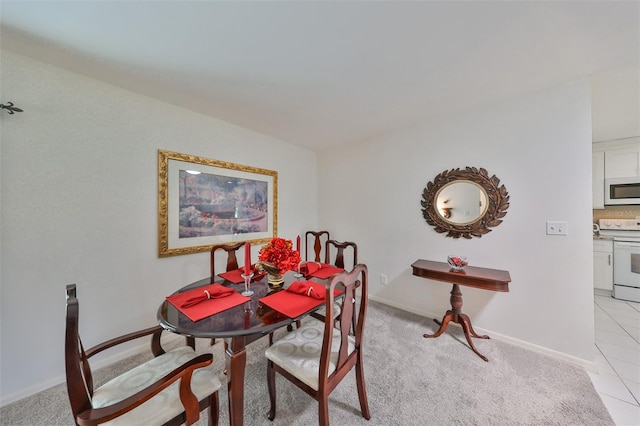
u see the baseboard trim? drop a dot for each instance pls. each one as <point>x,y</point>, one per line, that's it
<point>587,365</point>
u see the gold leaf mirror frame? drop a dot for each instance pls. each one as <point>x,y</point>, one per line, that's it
<point>497,203</point>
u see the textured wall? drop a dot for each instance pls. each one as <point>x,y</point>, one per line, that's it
<point>539,146</point>
<point>79,205</point>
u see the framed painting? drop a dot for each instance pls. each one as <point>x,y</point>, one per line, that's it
<point>204,202</point>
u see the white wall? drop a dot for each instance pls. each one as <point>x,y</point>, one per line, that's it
<point>616,103</point>
<point>539,146</point>
<point>79,205</point>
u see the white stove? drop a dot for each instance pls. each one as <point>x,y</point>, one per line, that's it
<point>626,256</point>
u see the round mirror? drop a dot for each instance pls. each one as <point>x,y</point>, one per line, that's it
<point>461,202</point>
<point>464,203</point>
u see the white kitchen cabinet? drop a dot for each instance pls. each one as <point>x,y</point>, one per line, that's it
<point>598,180</point>
<point>603,264</point>
<point>622,162</point>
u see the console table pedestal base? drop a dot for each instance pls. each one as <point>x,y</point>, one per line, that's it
<point>455,315</point>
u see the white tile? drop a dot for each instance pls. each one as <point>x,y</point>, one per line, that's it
<point>634,388</point>
<point>611,385</point>
<point>608,301</point>
<point>629,314</point>
<point>611,352</point>
<point>610,327</point>
<point>626,370</point>
<point>633,322</point>
<point>598,312</point>
<point>603,364</point>
<point>624,341</point>
<point>634,332</point>
<point>621,304</point>
<point>605,300</point>
<point>622,413</point>
<point>602,316</point>
<point>618,358</point>
<point>622,307</point>
<point>621,311</point>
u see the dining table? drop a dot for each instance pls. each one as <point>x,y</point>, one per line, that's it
<point>250,319</point>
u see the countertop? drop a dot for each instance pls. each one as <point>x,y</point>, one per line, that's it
<point>602,237</point>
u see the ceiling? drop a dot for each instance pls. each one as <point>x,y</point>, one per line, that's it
<point>317,74</point>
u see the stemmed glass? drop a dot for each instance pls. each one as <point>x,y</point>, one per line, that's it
<point>247,280</point>
<point>298,274</point>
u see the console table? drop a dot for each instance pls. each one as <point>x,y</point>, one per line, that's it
<point>470,276</point>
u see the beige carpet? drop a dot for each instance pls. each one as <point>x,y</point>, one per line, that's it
<point>410,381</point>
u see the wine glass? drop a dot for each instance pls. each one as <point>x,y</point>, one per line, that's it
<point>247,280</point>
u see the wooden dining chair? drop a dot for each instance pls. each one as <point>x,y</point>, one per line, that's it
<point>170,389</point>
<point>232,260</point>
<point>318,355</point>
<point>340,248</point>
<point>339,262</point>
<point>318,238</point>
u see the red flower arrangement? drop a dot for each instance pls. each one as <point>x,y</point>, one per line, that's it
<point>281,254</point>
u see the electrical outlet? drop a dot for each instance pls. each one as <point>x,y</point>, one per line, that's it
<point>383,279</point>
<point>557,228</point>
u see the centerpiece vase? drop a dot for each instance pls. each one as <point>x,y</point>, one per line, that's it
<point>275,278</point>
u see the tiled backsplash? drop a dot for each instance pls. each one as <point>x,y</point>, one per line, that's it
<point>612,212</point>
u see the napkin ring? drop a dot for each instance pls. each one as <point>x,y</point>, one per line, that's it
<point>309,291</point>
<point>208,294</point>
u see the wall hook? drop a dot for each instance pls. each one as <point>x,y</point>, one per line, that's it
<point>10,108</point>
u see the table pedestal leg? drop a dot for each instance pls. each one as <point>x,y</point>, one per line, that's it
<point>235,360</point>
<point>455,314</point>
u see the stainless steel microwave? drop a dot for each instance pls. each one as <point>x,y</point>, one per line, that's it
<point>622,191</point>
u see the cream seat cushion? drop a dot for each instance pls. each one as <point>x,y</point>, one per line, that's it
<point>164,406</point>
<point>298,352</point>
<point>337,308</point>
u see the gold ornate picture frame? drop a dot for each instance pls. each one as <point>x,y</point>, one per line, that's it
<point>203,202</point>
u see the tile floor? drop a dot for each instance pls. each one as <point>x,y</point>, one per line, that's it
<point>617,333</point>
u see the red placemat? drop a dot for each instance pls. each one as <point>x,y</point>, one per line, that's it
<point>292,304</point>
<point>326,271</point>
<point>235,276</point>
<point>207,307</point>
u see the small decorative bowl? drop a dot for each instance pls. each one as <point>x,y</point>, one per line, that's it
<point>457,262</point>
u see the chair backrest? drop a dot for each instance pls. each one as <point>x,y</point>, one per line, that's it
<point>78,372</point>
<point>340,247</point>
<point>317,237</point>
<point>349,330</point>
<point>232,260</point>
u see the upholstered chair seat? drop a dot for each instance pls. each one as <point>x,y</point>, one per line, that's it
<point>322,312</point>
<point>164,406</point>
<point>298,352</point>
